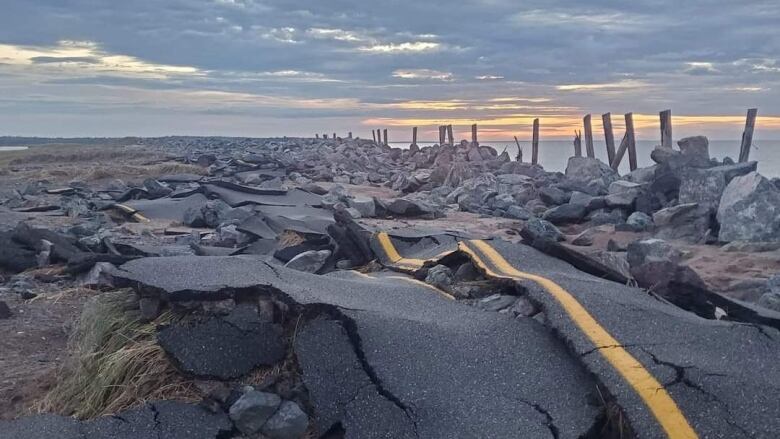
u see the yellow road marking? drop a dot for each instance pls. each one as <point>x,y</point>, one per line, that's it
<point>412,263</point>
<point>138,217</point>
<point>408,279</point>
<point>652,392</point>
<point>127,209</point>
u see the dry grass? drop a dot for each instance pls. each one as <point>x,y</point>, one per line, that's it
<point>115,362</point>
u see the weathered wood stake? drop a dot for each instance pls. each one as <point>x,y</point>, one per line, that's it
<point>386,142</point>
<point>577,143</point>
<point>450,136</point>
<point>414,136</point>
<point>316,136</point>
<point>609,137</point>
<point>349,135</point>
<point>519,156</point>
<point>747,135</point>
<point>620,152</point>
<point>588,136</point>
<point>334,135</point>
<point>666,128</point>
<point>632,165</point>
<point>441,134</point>
<point>474,135</point>
<point>535,143</point>
<point>373,135</point>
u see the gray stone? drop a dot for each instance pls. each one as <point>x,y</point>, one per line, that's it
<point>156,189</point>
<point>689,222</point>
<point>749,210</point>
<point>607,216</point>
<point>623,194</point>
<point>770,300</point>
<point>523,307</point>
<point>565,214</point>
<point>751,247</point>
<point>100,276</point>
<point>364,205</point>
<point>586,170</point>
<point>440,276</point>
<point>696,151</point>
<point>251,411</point>
<point>653,262</point>
<point>639,221</point>
<point>309,261</point>
<point>641,175</point>
<point>539,229</point>
<point>663,155</point>
<point>553,196</point>
<point>702,186</point>
<point>289,422</point>
<point>466,272</point>
<point>149,308</point>
<point>517,212</point>
<point>502,201</point>
<point>193,217</point>
<point>584,239</point>
<point>496,302</point>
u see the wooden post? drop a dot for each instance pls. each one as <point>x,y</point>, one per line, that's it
<point>747,135</point>
<point>334,135</point>
<point>620,152</point>
<point>535,143</point>
<point>414,136</point>
<point>577,143</point>
<point>632,165</point>
<point>474,135</point>
<point>441,134</point>
<point>349,135</point>
<point>324,136</point>
<point>609,137</point>
<point>519,156</point>
<point>316,136</point>
<point>373,135</point>
<point>449,135</point>
<point>588,136</point>
<point>666,128</point>
<point>386,142</point>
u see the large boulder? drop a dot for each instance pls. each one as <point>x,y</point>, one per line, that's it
<point>566,213</point>
<point>623,194</point>
<point>750,210</point>
<point>591,173</point>
<point>653,262</point>
<point>539,231</point>
<point>705,186</point>
<point>695,151</point>
<point>688,222</point>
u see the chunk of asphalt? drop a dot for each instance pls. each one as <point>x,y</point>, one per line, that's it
<point>253,409</point>
<point>223,347</point>
<point>340,389</point>
<point>161,419</point>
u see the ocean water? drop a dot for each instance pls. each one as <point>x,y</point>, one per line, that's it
<point>553,154</point>
<point>12,148</point>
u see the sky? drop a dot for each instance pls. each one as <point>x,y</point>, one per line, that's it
<point>295,68</point>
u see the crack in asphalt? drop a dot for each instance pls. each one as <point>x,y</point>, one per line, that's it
<point>156,414</point>
<point>549,421</point>
<point>682,378</point>
<point>273,269</point>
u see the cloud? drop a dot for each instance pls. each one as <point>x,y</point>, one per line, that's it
<point>407,47</point>
<point>423,74</point>
<point>700,68</point>
<point>625,84</point>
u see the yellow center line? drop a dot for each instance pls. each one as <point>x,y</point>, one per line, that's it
<point>652,392</point>
<point>392,254</point>
<point>408,279</point>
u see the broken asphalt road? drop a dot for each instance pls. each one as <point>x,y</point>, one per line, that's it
<point>674,374</point>
<point>418,362</point>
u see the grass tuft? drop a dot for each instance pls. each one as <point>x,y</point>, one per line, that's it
<point>115,362</point>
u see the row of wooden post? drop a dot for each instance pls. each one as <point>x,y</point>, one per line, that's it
<point>614,157</point>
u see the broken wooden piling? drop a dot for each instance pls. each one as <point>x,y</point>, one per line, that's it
<point>577,143</point>
<point>519,156</point>
<point>414,136</point>
<point>747,135</point>
<point>632,164</point>
<point>609,137</point>
<point>535,143</point>
<point>387,143</point>
<point>588,136</point>
<point>620,152</point>
<point>474,135</point>
<point>373,134</point>
<point>666,128</point>
<point>450,136</point>
<point>441,134</point>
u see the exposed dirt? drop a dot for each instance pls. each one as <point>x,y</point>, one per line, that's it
<point>33,345</point>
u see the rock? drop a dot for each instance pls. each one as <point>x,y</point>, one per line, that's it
<point>206,160</point>
<point>639,221</point>
<point>689,222</point>
<point>409,206</point>
<point>585,170</point>
<point>702,186</point>
<point>215,212</point>
<point>149,308</point>
<point>751,247</point>
<point>310,261</point>
<point>289,422</point>
<point>193,217</point>
<point>653,262</point>
<point>663,155</point>
<point>502,201</point>
<point>565,214</point>
<point>584,239</point>
<point>641,175</point>
<point>623,194</point>
<point>615,246</point>
<point>5,311</point>
<point>251,411</point>
<point>364,205</point>
<point>314,189</point>
<point>553,196</point>
<point>517,212</point>
<point>540,230</point>
<point>439,276</point>
<point>607,216</point>
<point>156,189</point>
<point>749,210</point>
<point>496,302</point>
<point>466,272</point>
<point>696,151</point>
<point>100,276</point>
<point>770,301</point>
<point>589,201</point>
<point>523,307</point>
